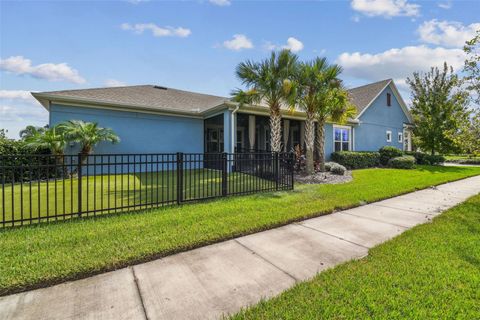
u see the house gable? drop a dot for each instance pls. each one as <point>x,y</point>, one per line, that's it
<point>378,120</point>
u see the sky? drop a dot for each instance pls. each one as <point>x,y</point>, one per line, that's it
<point>196,45</point>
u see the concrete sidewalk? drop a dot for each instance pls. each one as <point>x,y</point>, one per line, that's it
<point>222,278</point>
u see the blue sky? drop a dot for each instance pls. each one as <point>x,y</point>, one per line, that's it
<point>195,45</point>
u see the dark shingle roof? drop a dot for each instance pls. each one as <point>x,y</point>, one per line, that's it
<point>148,96</point>
<point>361,97</point>
<point>168,99</point>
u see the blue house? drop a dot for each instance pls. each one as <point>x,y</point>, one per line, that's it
<point>155,119</point>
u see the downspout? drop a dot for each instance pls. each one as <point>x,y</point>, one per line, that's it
<point>232,133</point>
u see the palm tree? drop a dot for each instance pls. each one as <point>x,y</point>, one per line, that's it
<point>336,107</point>
<point>30,131</point>
<point>321,96</point>
<point>88,135</point>
<point>52,139</point>
<point>270,82</point>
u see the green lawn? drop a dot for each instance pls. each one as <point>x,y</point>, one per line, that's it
<point>429,272</point>
<point>49,253</point>
<point>467,159</point>
<point>105,193</point>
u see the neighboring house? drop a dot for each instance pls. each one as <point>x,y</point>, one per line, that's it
<point>154,119</point>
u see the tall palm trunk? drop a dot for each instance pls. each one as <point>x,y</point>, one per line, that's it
<point>275,128</point>
<point>321,144</point>
<point>310,141</point>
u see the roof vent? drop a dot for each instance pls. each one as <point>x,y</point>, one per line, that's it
<point>160,87</point>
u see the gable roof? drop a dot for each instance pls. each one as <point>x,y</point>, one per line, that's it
<point>142,96</point>
<point>361,97</point>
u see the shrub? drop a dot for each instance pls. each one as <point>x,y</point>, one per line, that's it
<point>424,158</point>
<point>387,153</point>
<point>338,169</point>
<point>403,162</point>
<point>19,161</point>
<point>328,165</point>
<point>357,160</point>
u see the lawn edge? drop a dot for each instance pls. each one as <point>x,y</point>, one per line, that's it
<point>129,263</point>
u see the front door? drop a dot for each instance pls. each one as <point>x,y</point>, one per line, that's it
<point>214,140</point>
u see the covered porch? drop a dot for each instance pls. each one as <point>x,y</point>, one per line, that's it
<point>240,132</point>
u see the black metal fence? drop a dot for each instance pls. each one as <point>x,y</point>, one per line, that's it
<point>37,188</point>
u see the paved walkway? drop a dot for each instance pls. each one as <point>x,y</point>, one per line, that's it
<point>222,278</point>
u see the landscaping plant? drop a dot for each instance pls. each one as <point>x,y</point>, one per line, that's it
<point>387,153</point>
<point>269,82</point>
<point>403,162</point>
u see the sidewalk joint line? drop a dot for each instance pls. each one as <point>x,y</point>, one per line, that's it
<point>266,260</point>
<point>135,279</point>
<point>373,219</point>
<point>411,210</point>
<point>332,235</point>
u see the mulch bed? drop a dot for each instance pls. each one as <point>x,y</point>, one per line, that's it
<point>323,178</point>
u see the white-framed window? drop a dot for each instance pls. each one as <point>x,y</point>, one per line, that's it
<point>389,136</point>
<point>341,138</point>
<point>400,137</point>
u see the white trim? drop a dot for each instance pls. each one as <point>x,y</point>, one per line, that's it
<point>400,137</point>
<point>349,128</point>
<point>388,135</point>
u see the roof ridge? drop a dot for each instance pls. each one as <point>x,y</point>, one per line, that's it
<point>372,83</point>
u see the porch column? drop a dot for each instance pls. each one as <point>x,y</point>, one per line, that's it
<point>286,133</point>
<point>302,135</point>
<point>251,131</point>
<point>228,147</point>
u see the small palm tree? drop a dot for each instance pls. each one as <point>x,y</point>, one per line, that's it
<point>87,134</point>
<point>270,82</point>
<point>321,96</point>
<point>52,139</point>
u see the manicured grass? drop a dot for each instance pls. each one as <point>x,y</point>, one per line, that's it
<point>104,193</point>
<point>48,253</point>
<point>429,272</point>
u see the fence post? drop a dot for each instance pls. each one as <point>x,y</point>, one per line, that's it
<point>292,169</point>
<point>276,168</point>
<point>179,177</point>
<point>79,174</point>
<point>224,174</point>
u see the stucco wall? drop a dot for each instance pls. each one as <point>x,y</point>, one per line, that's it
<point>139,132</point>
<point>370,135</point>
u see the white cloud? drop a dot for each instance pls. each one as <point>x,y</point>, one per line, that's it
<point>137,1</point>
<point>398,63</point>
<point>18,109</point>
<point>114,83</point>
<point>447,33</point>
<point>239,42</point>
<point>156,30</point>
<point>293,45</point>
<point>445,5</point>
<point>221,3</point>
<point>16,94</point>
<point>49,71</point>
<point>386,8</point>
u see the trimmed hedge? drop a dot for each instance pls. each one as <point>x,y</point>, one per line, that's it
<point>403,162</point>
<point>387,153</point>
<point>356,160</point>
<point>425,158</point>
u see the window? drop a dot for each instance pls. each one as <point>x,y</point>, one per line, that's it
<point>389,99</point>
<point>400,137</point>
<point>341,137</point>
<point>389,136</point>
